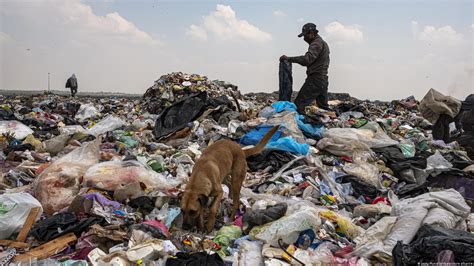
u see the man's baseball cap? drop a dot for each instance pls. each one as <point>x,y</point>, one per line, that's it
<point>307,28</point>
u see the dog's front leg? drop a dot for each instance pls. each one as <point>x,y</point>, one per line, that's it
<point>200,222</point>
<point>216,204</point>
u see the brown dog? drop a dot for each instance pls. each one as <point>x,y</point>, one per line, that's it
<point>219,160</point>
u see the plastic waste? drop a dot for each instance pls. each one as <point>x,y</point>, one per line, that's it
<point>224,237</point>
<point>156,163</point>
<point>315,131</point>
<point>287,228</point>
<point>107,124</point>
<point>178,115</point>
<point>370,134</point>
<point>267,112</point>
<point>152,250</point>
<point>14,209</point>
<point>364,170</point>
<point>283,106</point>
<point>290,145</point>
<point>443,208</point>
<point>431,241</point>
<point>17,129</point>
<point>289,125</point>
<point>113,174</point>
<point>408,149</point>
<point>437,162</point>
<point>435,103</point>
<point>58,184</point>
<point>250,253</point>
<point>270,214</point>
<point>285,77</point>
<point>55,145</point>
<point>371,210</point>
<point>86,111</point>
<point>322,255</point>
<point>30,139</point>
<point>347,115</point>
<point>344,225</point>
<point>341,146</point>
<point>254,136</point>
<point>72,129</point>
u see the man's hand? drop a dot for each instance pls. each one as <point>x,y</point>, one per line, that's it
<point>283,58</point>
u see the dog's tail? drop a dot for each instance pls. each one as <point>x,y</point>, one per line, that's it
<point>261,145</point>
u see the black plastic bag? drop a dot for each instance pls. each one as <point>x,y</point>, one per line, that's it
<point>274,159</point>
<point>430,241</point>
<point>177,116</point>
<point>286,81</point>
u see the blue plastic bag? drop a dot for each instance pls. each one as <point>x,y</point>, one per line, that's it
<point>290,145</point>
<point>284,144</point>
<point>284,106</point>
<point>254,136</point>
<point>315,131</point>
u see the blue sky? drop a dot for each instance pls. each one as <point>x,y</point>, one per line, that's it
<point>379,49</point>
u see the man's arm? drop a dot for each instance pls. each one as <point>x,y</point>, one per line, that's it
<point>310,56</point>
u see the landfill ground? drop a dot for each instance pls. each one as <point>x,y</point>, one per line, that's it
<point>99,179</point>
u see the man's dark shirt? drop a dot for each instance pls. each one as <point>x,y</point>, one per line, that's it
<point>316,59</point>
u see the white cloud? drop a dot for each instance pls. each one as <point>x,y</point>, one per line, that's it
<point>300,20</point>
<point>64,37</point>
<point>224,25</point>
<point>414,28</point>
<point>279,13</point>
<point>441,36</point>
<point>74,18</point>
<point>338,33</point>
<point>4,38</point>
<point>197,33</point>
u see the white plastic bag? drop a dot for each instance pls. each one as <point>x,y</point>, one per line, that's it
<point>437,162</point>
<point>18,129</point>
<point>370,134</point>
<point>290,126</point>
<point>363,170</point>
<point>288,228</point>
<point>342,146</point>
<point>250,254</point>
<point>414,212</point>
<point>105,125</point>
<point>58,184</point>
<point>17,207</point>
<point>54,145</point>
<point>113,174</point>
<point>72,129</point>
<point>86,111</point>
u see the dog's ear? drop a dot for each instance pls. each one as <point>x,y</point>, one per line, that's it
<point>203,200</point>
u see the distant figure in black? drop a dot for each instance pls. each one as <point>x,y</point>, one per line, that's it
<point>72,84</point>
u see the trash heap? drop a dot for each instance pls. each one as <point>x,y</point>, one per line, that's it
<point>176,86</point>
<point>96,181</point>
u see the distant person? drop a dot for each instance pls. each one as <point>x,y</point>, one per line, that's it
<point>317,62</point>
<point>72,84</point>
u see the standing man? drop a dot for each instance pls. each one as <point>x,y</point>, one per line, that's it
<point>72,84</point>
<point>317,62</point>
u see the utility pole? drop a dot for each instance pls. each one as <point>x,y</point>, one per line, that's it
<point>48,83</point>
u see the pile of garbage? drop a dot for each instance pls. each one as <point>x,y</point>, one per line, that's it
<point>171,88</point>
<point>87,181</point>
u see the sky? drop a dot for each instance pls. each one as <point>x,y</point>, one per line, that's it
<point>379,49</point>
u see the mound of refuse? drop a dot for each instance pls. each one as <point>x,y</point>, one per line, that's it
<point>98,181</point>
<point>176,86</point>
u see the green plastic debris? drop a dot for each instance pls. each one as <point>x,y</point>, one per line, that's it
<point>157,164</point>
<point>225,236</point>
<point>408,149</point>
